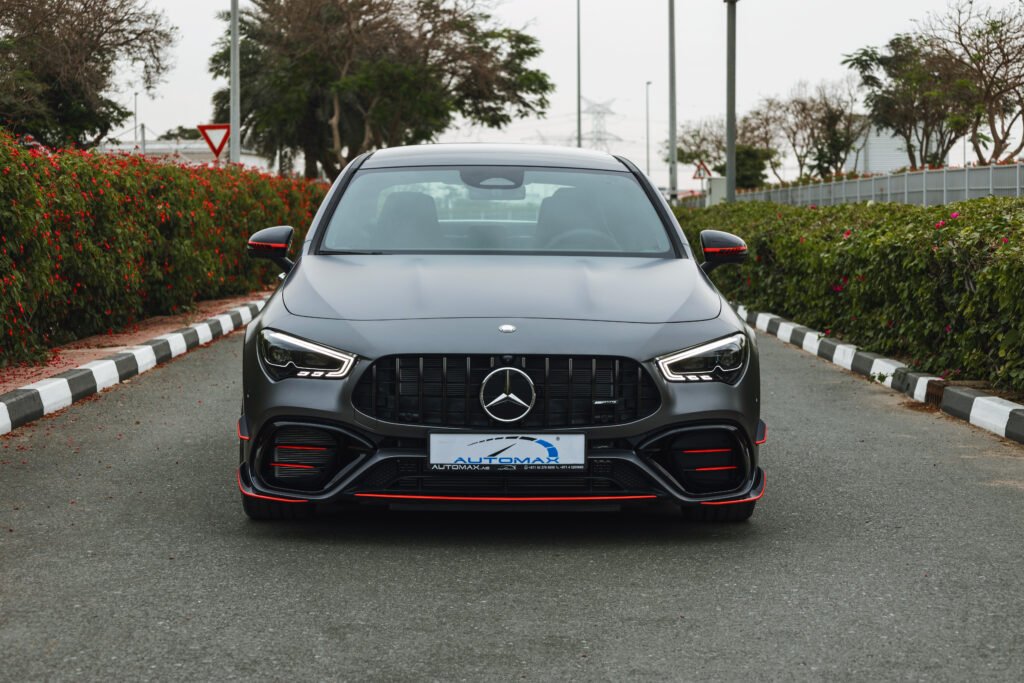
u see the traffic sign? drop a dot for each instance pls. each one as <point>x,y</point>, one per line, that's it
<point>702,172</point>
<point>221,131</point>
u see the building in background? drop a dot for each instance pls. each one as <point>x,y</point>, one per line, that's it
<point>878,152</point>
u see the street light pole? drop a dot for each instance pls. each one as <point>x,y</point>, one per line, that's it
<point>673,171</point>
<point>579,82</point>
<point>235,142</point>
<point>730,104</point>
<point>135,122</point>
<point>647,137</point>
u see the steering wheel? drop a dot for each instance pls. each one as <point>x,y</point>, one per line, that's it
<point>586,236</point>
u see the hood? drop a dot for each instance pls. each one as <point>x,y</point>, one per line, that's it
<point>414,286</point>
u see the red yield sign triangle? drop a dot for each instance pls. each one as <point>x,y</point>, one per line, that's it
<point>702,172</point>
<point>219,130</point>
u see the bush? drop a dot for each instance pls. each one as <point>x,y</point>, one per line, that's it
<point>941,288</point>
<point>89,243</point>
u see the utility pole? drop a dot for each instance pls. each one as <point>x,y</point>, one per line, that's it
<point>579,82</point>
<point>730,104</point>
<point>673,170</point>
<point>142,131</point>
<point>647,137</point>
<point>135,122</point>
<point>235,143</point>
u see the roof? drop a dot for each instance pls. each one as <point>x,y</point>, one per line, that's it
<point>488,154</point>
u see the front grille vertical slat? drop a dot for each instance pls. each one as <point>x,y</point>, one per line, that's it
<point>593,390</point>
<point>398,387</point>
<point>561,383</point>
<point>419,390</point>
<point>617,391</point>
<point>466,382</point>
<point>444,390</point>
<point>547,391</point>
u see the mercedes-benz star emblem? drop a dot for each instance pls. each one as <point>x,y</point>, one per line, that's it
<point>507,394</point>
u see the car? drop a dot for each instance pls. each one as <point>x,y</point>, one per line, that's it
<point>498,326</point>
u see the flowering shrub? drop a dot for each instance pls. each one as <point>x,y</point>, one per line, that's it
<point>89,243</point>
<point>940,287</point>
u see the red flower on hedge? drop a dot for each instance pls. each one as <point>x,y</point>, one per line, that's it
<point>940,224</point>
<point>847,234</point>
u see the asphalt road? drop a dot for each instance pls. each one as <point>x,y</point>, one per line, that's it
<point>890,545</point>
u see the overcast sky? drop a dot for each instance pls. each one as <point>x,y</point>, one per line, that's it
<point>625,44</point>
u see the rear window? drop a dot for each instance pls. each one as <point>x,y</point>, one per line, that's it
<point>501,209</point>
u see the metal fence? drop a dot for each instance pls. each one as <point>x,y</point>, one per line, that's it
<point>923,188</point>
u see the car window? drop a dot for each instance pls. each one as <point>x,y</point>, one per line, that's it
<point>501,209</point>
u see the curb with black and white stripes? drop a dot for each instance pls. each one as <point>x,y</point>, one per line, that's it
<point>32,401</point>
<point>995,414</point>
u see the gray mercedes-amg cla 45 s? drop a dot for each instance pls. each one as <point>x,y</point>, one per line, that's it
<point>498,326</point>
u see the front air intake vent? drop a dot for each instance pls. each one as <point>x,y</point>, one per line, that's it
<point>307,457</point>
<point>702,460</point>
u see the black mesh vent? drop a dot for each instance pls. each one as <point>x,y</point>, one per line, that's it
<point>572,391</point>
<point>414,475</point>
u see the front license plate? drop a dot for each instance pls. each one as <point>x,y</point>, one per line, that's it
<point>486,452</point>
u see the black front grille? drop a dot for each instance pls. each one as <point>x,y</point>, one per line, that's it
<point>572,391</point>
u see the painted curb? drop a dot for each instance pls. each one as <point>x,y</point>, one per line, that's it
<point>33,401</point>
<point>999,416</point>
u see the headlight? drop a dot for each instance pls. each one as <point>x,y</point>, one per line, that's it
<point>720,361</point>
<point>286,356</point>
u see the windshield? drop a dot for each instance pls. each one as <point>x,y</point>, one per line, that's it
<point>501,209</point>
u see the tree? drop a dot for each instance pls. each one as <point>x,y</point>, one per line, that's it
<point>181,133</point>
<point>335,78</point>
<point>797,124</point>
<point>750,166</point>
<point>988,45</point>
<point>702,140</point>
<point>761,128</point>
<point>59,58</point>
<point>836,127</point>
<point>917,93</point>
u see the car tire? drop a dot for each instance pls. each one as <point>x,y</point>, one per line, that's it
<point>269,510</point>
<point>740,512</point>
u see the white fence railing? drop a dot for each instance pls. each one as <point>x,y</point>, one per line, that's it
<point>923,188</point>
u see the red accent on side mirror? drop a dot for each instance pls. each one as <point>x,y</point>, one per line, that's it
<point>725,250</point>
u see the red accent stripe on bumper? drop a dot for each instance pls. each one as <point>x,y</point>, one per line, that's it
<point>764,487</point>
<point>502,499</point>
<point>238,476</point>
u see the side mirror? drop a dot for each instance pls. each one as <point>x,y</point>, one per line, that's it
<point>273,244</point>
<point>721,248</point>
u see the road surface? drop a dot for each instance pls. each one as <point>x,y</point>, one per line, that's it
<point>890,545</point>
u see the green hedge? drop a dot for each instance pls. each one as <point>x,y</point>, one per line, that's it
<point>90,243</point>
<point>941,288</point>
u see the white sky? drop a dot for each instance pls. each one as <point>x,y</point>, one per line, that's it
<point>625,44</point>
